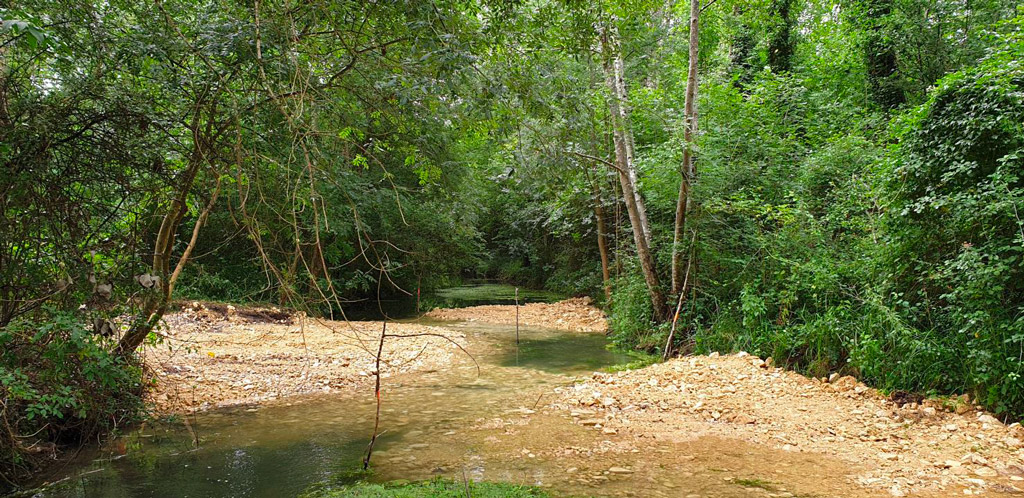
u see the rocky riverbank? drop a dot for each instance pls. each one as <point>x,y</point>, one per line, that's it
<point>215,355</point>
<point>899,447</point>
<point>576,314</point>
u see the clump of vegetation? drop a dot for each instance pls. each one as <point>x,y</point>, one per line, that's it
<point>833,241</point>
<point>61,384</point>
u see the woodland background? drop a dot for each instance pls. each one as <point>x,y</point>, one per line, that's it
<point>855,205</point>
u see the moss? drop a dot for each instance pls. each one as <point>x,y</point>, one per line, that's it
<point>755,483</point>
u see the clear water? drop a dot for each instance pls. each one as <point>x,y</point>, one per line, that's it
<point>283,450</point>
<point>453,423</point>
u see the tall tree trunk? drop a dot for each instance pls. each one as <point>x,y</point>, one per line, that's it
<point>627,172</point>
<point>684,204</point>
<point>622,114</point>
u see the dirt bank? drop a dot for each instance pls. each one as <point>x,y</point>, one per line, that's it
<point>576,314</point>
<point>897,450</point>
<point>215,355</point>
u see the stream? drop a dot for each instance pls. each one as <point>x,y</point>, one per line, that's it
<point>491,425</point>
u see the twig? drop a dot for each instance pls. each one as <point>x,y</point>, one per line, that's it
<point>449,339</point>
<point>465,482</point>
<point>538,401</point>
<point>679,304</point>
<point>598,159</point>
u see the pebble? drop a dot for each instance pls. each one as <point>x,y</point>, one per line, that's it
<point>985,472</point>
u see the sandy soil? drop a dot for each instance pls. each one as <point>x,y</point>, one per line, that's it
<point>215,355</point>
<point>896,450</point>
<point>576,314</point>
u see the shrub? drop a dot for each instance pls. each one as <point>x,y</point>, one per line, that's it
<point>630,316</point>
<point>955,224</point>
<point>61,383</point>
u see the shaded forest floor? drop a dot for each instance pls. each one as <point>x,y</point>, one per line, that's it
<point>884,445</point>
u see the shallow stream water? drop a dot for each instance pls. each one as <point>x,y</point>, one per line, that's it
<point>492,424</point>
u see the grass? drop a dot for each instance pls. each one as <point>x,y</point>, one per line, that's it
<point>433,488</point>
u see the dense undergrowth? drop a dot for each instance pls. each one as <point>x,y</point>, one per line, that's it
<point>834,240</point>
<point>61,385</point>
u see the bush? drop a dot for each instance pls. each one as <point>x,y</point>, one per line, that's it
<point>955,226</point>
<point>61,383</point>
<point>630,316</point>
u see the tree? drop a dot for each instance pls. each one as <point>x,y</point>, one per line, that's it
<point>618,104</point>
<point>684,203</point>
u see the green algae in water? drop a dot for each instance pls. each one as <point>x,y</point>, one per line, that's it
<point>433,488</point>
<point>496,294</point>
<point>565,354</point>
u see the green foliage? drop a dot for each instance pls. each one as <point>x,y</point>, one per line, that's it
<point>900,265</point>
<point>61,382</point>
<point>630,314</point>
<point>955,228</point>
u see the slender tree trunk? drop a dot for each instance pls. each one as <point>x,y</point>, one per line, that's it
<point>599,214</point>
<point>627,173</point>
<point>622,115</point>
<point>602,242</point>
<point>684,204</point>
<point>156,304</point>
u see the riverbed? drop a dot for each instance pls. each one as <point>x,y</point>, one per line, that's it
<point>483,417</point>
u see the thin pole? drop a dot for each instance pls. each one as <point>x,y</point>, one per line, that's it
<point>517,316</point>
<point>682,294</point>
<point>517,326</point>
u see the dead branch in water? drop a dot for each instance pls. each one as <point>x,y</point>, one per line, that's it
<point>377,374</point>
<point>376,391</point>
